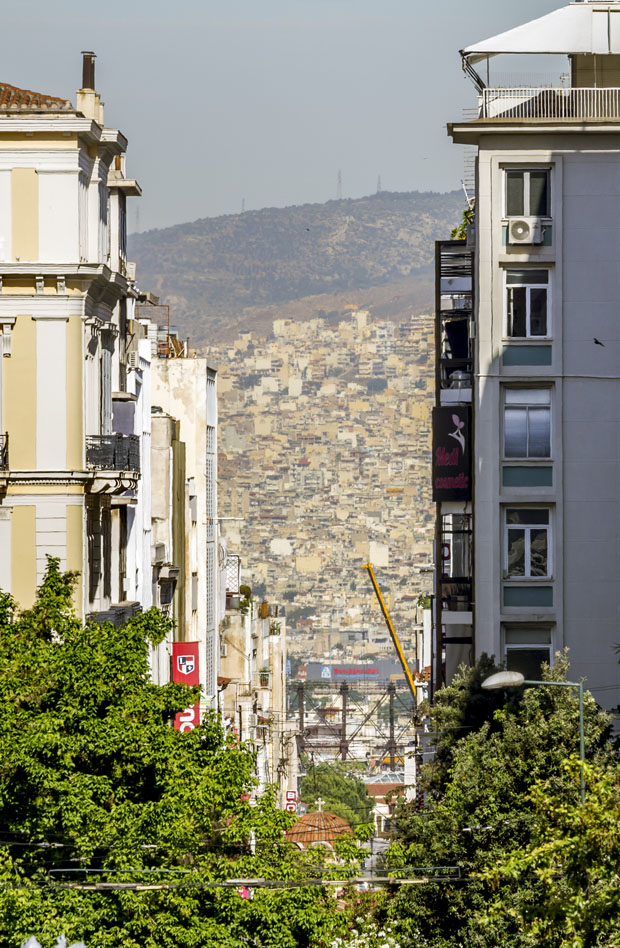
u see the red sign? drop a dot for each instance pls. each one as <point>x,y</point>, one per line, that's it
<point>186,671</point>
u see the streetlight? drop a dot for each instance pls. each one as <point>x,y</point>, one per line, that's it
<point>511,679</point>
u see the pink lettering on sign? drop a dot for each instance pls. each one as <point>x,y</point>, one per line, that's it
<point>186,671</point>
<point>445,458</point>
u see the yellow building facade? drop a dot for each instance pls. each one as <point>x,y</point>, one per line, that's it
<point>65,296</point>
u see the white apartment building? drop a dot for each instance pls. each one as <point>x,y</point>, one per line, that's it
<point>529,340</point>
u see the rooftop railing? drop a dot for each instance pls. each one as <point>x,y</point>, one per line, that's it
<point>582,104</point>
<point>114,452</point>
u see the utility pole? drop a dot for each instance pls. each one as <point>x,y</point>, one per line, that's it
<point>392,744</point>
<point>301,709</point>
<point>343,736</point>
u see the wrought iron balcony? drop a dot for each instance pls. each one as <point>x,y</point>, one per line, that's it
<point>114,452</point>
<point>4,452</point>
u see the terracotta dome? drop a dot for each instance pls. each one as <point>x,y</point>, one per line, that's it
<point>317,828</point>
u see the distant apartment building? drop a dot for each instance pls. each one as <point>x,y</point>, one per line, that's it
<point>528,350</point>
<point>252,680</point>
<point>184,505</point>
<point>72,403</point>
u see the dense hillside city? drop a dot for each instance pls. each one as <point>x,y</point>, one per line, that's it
<point>324,458</point>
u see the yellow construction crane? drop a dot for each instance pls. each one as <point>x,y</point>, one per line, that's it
<point>388,622</point>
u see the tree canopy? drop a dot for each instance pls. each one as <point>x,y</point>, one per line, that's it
<point>492,750</point>
<point>114,827</point>
<point>339,788</point>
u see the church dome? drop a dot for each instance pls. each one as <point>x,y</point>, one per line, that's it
<point>319,828</point>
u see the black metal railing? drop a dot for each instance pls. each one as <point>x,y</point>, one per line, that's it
<point>114,452</point>
<point>4,452</point>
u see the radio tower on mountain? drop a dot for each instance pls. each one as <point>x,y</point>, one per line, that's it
<point>379,189</point>
<point>339,186</point>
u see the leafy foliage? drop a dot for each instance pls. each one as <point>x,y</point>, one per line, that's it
<point>575,862</point>
<point>341,791</point>
<point>97,789</point>
<point>491,750</point>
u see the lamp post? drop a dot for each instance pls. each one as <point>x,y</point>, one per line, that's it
<point>508,679</point>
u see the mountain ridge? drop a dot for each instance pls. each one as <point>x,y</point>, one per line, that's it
<point>213,270</point>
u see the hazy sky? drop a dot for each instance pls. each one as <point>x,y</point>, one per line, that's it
<point>264,100</point>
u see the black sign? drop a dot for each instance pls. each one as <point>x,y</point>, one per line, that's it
<point>451,453</point>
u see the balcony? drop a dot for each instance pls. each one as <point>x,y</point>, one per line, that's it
<point>454,309</point>
<point>115,462</point>
<point>114,452</point>
<point>4,452</point>
<point>560,104</point>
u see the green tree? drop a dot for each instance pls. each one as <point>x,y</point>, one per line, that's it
<point>491,748</point>
<point>575,862</point>
<point>340,789</point>
<point>98,791</point>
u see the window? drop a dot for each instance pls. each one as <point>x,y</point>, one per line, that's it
<point>527,422</point>
<point>527,546</point>
<point>527,303</point>
<point>528,193</point>
<point>526,649</point>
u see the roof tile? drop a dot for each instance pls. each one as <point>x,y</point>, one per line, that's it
<point>12,98</point>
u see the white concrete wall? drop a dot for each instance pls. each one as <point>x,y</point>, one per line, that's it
<point>584,498</point>
<point>58,217</point>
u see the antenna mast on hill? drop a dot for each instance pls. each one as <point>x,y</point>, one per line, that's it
<point>339,186</point>
<point>242,205</point>
<point>379,185</point>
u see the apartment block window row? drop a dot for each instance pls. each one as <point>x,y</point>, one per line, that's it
<point>527,303</point>
<point>527,543</point>
<point>527,423</point>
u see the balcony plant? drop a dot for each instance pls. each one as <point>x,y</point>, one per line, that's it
<point>263,676</point>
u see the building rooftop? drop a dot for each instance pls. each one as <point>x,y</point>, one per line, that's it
<point>584,27</point>
<point>14,99</point>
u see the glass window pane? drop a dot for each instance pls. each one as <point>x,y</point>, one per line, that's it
<point>528,661</point>
<point>529,515</point>
<point>516,552</point>
<point>538,311</point>
<point>515,432</point>
<point>527,635</point>
<point>517,320</point>
<point>528,396</point>
<point>539,193</point>
<point>514,193</point>
<point>539,431</point>
<point>538,552</point>
<point>529,277</point>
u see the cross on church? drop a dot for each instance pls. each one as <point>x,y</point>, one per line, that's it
<point>319,804</point>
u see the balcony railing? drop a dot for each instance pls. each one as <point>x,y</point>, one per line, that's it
<point>581,103</point>
<point>4,452</point>
<point>114,452</point>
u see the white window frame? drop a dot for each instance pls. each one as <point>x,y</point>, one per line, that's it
<point>528,305</point>
<point>526,171</point>
<point>522,404</point>
<point>528,528</point>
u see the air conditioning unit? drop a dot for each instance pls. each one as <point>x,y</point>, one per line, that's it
<point>525,230</point>
<point>133,360</point>
<point>252,720</point>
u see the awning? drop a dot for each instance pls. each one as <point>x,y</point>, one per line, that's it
<point>582,27</point>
